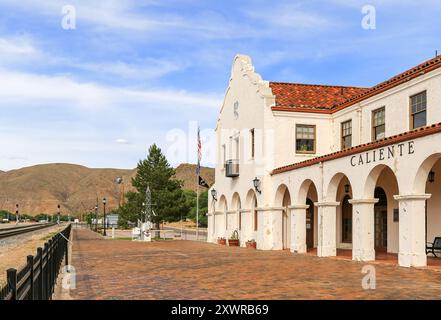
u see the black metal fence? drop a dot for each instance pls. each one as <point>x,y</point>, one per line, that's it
<point>36,281</point>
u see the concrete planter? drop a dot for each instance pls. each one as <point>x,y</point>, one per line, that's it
<point>251,244</point>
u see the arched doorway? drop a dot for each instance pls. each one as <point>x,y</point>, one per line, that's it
<point>236,219</point>
<point>340,191</point>
<point>428,181</point>
<point>286,221</point>
<point>380,212</point>
<point>222,225</point>
<point>346,220</point>
<point>382,184</point>
<point>307,229</point>
<point>283,200</point>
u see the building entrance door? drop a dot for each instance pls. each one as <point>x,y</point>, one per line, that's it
<point>346,219</point>
<point>310,224</point>
<point>380,211</point>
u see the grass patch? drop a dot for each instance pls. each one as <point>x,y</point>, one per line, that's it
<point>122,238</point>
<point>49,236</point>
<point>162,239</point>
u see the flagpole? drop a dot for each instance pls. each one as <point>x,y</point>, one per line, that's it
<point>198,171</point>
<point>197,209</point>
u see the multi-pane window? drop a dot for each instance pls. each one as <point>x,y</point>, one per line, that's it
<point>252,143</point>
<point>305,138</point>
<point>418,105</point>
<point>378,124</point>
<point>346,134</point>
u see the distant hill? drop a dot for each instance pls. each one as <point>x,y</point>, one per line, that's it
<point>187,173</point>
<point>39,189</point>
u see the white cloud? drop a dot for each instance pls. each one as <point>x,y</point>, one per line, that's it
<point>19,45</point>
<point>291,17</point>
<point>122,141</point>
<point>148,69</point>
<point>18,50</point>
<point>31,89</point>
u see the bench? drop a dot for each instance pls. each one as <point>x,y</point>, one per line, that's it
<point>434,247</point>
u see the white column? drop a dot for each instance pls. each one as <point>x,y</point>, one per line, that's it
<point>243,233</point>
<point>298,228</point>
<point>269,229</point>
<point>327,228</point>
<point>210,218</point>
<point>363,229</point>
<point>412,230</point>
<point>226,226</point>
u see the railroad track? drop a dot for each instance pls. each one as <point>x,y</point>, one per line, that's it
<point>9,232</point>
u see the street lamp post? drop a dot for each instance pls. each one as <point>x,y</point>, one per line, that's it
<point>58,215</point>
<point>104,221</point>
<point>119,181</point>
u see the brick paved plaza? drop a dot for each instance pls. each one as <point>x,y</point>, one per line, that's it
<point>120,269</point>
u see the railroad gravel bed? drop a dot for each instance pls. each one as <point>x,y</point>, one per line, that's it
<point>14,250</point>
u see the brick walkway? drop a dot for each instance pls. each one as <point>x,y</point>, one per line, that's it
<point>119,269</point>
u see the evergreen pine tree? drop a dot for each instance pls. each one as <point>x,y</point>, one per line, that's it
<point>168,200</point>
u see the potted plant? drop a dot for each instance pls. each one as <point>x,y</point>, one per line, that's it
<point>221,241</point>
<point>251,244</point>
<point>233,241</point>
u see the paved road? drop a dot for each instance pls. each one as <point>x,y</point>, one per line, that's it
<point>119,269</point>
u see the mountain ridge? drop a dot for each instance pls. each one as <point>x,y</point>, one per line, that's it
<point>40,188</point>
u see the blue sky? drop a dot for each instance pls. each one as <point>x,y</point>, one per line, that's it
<point>137,72</point>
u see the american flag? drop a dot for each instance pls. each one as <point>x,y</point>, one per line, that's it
<point>198,168</point>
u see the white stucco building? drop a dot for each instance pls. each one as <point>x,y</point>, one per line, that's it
<point>337,167</point>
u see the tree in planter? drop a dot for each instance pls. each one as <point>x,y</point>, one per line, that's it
<point>168,199</point>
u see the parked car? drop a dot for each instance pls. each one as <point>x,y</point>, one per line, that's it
<point>5,220</point>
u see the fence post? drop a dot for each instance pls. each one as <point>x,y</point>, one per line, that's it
<point>49,269</point>
<point>46,272</point>
<point>40,279</point>
<point>30,260</point>
<point>12,282</point>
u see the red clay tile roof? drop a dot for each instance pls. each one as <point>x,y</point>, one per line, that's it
<point>309,96</point>
<point>417,133</point>
<point>330,99</point>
